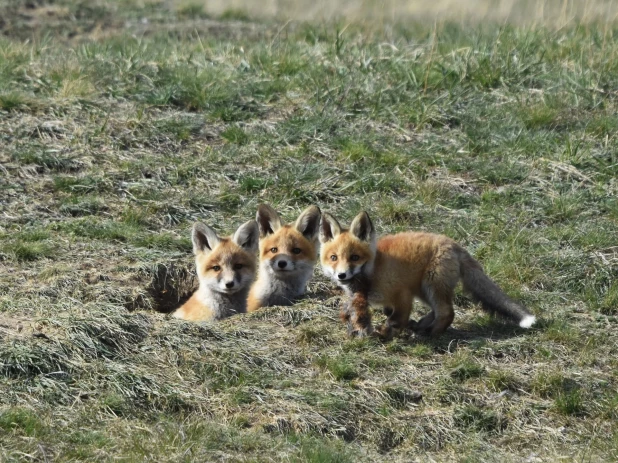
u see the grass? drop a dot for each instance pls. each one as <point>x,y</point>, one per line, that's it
<point>341,368</point>
<point>122,123</point>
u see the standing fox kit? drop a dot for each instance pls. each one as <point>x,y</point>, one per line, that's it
<point>398,268</point>
<point>287,256</point>
<point>225,269</point>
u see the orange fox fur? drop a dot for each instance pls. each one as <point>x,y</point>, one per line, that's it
<point>225,268</point>
<point>398,268</point>
<point>287,255</point>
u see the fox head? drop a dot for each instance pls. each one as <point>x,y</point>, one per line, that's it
<point>286,250</point>
<point>347,253</point>
<point>225,265</point>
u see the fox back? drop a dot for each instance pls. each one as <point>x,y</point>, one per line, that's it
<point>225,269</point>
<point>287,253</point>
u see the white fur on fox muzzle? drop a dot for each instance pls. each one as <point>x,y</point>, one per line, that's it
<point>348,273</point>
<point>230,283</point>
<point>228,286</point>
<point>282,264</point>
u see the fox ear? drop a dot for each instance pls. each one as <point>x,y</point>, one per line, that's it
<point>268,220</point>
<point>204,238</point>
<point>329,228</point>
<point>308,223</point>
<point>247,236</point>
<point>362,227</point>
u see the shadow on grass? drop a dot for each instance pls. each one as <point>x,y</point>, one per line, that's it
<point>490,329</point>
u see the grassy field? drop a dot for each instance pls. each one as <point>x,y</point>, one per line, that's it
<point>122,123</point>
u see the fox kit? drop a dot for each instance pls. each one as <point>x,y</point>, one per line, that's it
<point>398,268</point>
<point>225,268</point>
<point>288,254</point>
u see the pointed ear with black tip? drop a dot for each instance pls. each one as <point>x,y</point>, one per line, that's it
<point>308,223</point>
<point>329,228</point>
<point>247,236</point>
<point>362,227</point>
<point>204,238</point>
<point>268,220</point>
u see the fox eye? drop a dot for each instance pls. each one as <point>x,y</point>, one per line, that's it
<point>273,250</point>
<point>296,250</point>
<point>333,257</point>
<point>354,257</point>
<point>216,268</point>
<point>237,266</point>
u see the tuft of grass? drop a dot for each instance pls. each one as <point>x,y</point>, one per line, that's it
<point>324,451</point>
<point>235,14</point>
<point>355,151</point>
<point>309,335</point>
<point>570,403</point>
<point>478,419</point>
<point>553,384</point>
<point>30,359</point>
<point>235,135</point>
<point>115,404</point>
<point>559,330</point>
<point>192,9</point>
<point>538,117</point>
<point>466,368</point>
<point>77,206</point>
<point>340,367</point>
<point>400,397</point>
<point>79,186</point>
<point>502,380</point>
<point>421,351</point>
<point>22,421</point>
<point>47,158</point>
<point>162,241</point>
<point>99,230</point>
<point>609,302</point>
<point>136,217</point>
<point>15,101</point>
<point>27,250</point>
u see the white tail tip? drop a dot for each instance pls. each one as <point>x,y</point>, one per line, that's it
<point>527,321</point>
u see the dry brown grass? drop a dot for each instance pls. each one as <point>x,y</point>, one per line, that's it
<point>557,13</point>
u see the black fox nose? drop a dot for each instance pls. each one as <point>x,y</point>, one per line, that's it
<point>282,264</point>
<point>341,276</point>
<point>229,284</point>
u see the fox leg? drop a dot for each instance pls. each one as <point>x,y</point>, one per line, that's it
<point>355,311</point>
<point>440,298</point>
<point>443,318</point>
<point>398,317</point>
<point>438,289</point>
<point>425,322</point>
<point>359,318</point>
<point>347,313</point>
<point>345,309</point>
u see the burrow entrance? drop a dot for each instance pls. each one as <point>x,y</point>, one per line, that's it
<point>170,287</point>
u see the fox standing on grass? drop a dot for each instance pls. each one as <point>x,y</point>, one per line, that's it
<point>225,268</point>
<point>401,267</point>
<point>287,255</point>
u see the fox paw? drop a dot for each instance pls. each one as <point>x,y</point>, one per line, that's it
<point>421,330</point>
<point>359,332</point>
<point>384,332</point>
<point>413,325</point>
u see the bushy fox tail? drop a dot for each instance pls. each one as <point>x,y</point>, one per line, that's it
<point>490,295</point>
